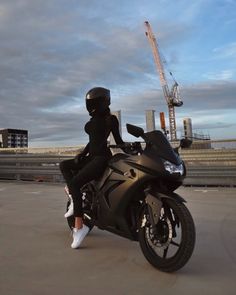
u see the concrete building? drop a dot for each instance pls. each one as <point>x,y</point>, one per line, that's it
<point>150,120</point>
<point>13,138</point>
<point>200,141</point>
<point>188,131</point>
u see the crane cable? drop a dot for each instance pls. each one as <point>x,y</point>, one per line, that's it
<point>164,61</point>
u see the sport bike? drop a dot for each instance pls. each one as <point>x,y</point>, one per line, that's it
<point>135,199</point>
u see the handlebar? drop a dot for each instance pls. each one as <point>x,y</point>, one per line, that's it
<point>129,147</point>
<point>117,146</point>
<point>125,145</point>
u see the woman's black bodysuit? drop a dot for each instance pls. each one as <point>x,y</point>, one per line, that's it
<point>93,159</point>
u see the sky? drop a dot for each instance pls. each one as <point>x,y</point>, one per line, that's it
<point>53,51</point>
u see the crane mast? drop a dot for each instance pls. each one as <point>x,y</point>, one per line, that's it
<point>172,97</point>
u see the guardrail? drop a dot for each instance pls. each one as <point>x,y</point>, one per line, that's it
<point>210,167</point>
<point>204,166</point>
<point>31,167</point>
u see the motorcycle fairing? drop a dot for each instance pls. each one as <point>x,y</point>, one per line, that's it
<point>126,180</point>
<point>160,145</point>
<point>119,190</point>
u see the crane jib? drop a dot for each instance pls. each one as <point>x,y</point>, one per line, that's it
<point>172,97</point>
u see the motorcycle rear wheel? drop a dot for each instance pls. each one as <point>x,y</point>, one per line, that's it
<point>170,245</point>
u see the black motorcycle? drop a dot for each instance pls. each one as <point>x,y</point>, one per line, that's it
<point>135,199</point>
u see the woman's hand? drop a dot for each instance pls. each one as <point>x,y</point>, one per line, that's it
<point>78,158</point>
<point>132,148</point>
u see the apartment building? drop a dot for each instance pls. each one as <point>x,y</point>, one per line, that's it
<point>13,138</point>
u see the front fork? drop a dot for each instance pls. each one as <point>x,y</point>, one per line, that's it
<point>154,205</point>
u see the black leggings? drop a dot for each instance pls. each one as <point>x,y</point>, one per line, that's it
<point>77,175</point>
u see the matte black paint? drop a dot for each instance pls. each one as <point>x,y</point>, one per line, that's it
<point>120,193</point>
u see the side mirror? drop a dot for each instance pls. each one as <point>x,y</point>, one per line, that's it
<point>134,130</point>
<point>185,143</point>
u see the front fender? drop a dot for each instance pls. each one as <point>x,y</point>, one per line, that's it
<point>166,195</point>
<point>173,196</point>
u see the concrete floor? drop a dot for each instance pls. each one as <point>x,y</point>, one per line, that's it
<point>36,258</point>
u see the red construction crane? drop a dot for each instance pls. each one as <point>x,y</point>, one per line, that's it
<point>172,96</point>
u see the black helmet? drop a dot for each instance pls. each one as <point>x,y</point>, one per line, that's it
<point>97,100</point>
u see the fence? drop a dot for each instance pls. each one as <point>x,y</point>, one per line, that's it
<point>204,166</point>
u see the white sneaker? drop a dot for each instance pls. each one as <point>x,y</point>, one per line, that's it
<point>70,210</point>
<point>79,235</point>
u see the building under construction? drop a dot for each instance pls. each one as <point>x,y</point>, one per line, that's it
<point>200,141</point>
<point>13,138</point>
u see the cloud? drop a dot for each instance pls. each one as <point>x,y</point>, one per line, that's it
<point>215,95</point>
<point>52,52</point>
<point>226,51</point>
<point>223,75</point>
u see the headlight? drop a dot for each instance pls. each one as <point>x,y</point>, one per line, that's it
<point>172,168</point>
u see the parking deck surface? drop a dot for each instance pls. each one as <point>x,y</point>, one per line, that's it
<point>36,258</point>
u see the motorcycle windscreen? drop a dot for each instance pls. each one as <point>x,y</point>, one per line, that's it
<point>162,146</point>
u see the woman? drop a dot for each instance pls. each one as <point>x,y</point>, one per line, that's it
<point>91,163</point>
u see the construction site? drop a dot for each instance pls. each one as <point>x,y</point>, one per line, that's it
<point>172,98</point>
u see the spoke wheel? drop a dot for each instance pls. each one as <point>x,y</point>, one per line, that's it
<point>169,244</point>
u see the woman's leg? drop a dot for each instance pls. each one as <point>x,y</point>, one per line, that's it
<point>92,170</point>
<point>89,172</point>
<point>68,168</point>
<point>78,222</point>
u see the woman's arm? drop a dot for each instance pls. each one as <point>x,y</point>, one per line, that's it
<point>115,130</point>
<point>127,148</point>
<point>82,154</point>
<point>85,151</point>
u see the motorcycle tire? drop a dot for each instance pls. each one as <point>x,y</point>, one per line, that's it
<point>151,242</point>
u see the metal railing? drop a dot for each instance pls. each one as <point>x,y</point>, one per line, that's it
<point>38,167</point>
<point>210,167</point>
<point>214,166</point>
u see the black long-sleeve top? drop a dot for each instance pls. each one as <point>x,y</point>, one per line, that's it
<point>98,128</point>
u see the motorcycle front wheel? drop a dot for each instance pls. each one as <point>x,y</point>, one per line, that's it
<point>169,244</point>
